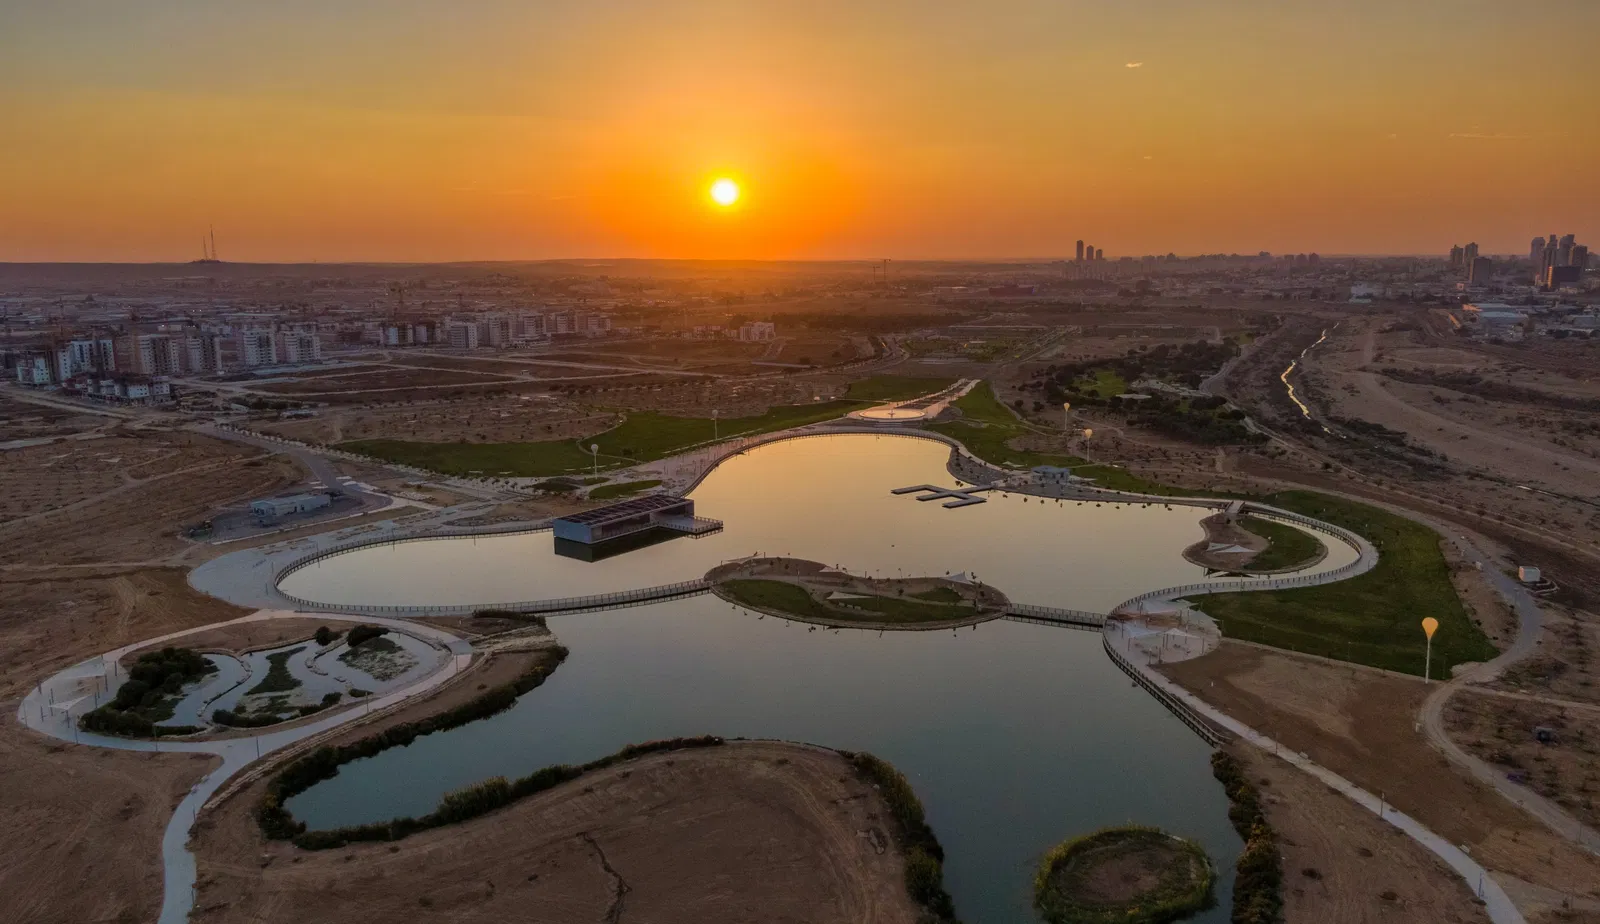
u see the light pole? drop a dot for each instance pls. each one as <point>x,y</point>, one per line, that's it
<point>1429,626</point>
<point>594,450</point>
<point>714,434</point>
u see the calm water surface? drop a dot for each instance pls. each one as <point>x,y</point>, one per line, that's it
<point>827,499</point>
<point>1015,736</point>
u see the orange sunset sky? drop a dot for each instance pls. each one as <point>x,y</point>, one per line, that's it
<point>492,129</point>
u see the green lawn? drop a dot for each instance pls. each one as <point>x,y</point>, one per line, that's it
<point>643,437</point>
<point>1372,619</point>
<point>785,597</point>
<point>623,489</point>
<point>777,595</point>
<point>1289,546</point>
<point>1104,383</point>
<point>278,678</point>
<point>986,427</point>
<point>895,388</point>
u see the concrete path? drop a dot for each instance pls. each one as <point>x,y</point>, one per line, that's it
<point>1530,625</point>
<point>52,707</point>
<point>1499,905</point>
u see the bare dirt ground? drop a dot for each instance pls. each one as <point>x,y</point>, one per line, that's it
<point>250,636</point>
<point>130,504</point>
<point>749,831</point>
<point>1565,667</point>
<point>20,420</point>
<point>1501,729</point>
<point>85,824</point>
<point>1361,724</point>
<point>1339,860</point>
<point>484,420</point>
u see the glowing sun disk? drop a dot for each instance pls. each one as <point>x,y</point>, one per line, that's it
<point>725,192</point>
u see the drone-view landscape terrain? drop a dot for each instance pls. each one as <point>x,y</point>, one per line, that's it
<point>731,515</point>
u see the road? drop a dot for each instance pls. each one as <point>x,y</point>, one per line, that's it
<point>179,874</point>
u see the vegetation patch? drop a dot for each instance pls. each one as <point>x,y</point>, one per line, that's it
<point>1127,875</point>
<point>278,679</point>
<point>987,427</point>
<point>278,823</point>
<point>810,591</point>
<point>643,437</point>
<point>1258,887</point>
<point>481,798</point>
<point>623,489</point>
<point>379,658</point>
<point>1287,547</point>
<point>155,683</point>
<point>895,388</point>
<point>924,856</point>
<point>1373,618</point>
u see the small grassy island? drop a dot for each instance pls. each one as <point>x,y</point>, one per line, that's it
<point>1126,875</point>
<point>1254,545</point>
<point>812,592</point>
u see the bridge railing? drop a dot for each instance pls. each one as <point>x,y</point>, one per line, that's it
<point>1176,706</point>
<point>529,607</point>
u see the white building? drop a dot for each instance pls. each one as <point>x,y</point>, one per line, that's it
<point>299,345</point>
<point>274,507</point>
<point>258,347</point>
<point>463,336</point>
<point>80,356</point>
<point>34,370</point>
<point>204,349</point>
<point>757,330</point>
<point>158,354</point>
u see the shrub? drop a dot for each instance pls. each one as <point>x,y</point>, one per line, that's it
<point>924,857</point>
<point>325,636</point>
<point>1258,887</point>
<point>363,633</point>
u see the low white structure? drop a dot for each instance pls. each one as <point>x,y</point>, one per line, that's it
<point>1528,574</point>
<point>273,507</point>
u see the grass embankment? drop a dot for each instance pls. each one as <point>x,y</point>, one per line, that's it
<point>896,388</point>
<point>300,774</point>
<point>1258,887</point>
<point>278,678</point>
<point>623,489</point>
<point>796,601</point>
<point>987,427</point>
<point>924,856</point>
<point>1125,875</point>
<point>1288,546</point>
<point>644,437</point>
<point>1374,618</point>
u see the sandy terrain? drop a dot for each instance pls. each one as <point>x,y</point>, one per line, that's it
<point>1565,667</point>
<point>750,831</point>
<point>484,420</point>
<point>128,500</point>
<point>1361,724</point>
<point>1500,730</point>
<point>25,420</point>
<point>84,824</point>
<point>1339,860</point>
<point>250,636</point>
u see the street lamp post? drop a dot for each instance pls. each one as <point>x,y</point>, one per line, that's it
<point>594,450</point>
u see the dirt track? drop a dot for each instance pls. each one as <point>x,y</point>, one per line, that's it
<point>752,831</point>
<point>1353,859</point>
<point>83,825</point>
<point>1360,724</point>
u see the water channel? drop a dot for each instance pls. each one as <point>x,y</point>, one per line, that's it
<point>1015,736</point>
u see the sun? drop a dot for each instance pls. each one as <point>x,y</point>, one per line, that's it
<point>724,192</point>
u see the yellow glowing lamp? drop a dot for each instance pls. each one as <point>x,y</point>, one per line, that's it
<point>1429,626</point>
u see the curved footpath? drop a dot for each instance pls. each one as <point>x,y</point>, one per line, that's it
<point>37,713</point>
<point>250,577</point>
<point>1497,903</point>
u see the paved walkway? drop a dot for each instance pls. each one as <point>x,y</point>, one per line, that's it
<point>48,710</point>
<point>1499,905</point>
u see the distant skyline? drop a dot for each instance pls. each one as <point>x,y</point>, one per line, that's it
<point>512,130</point>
